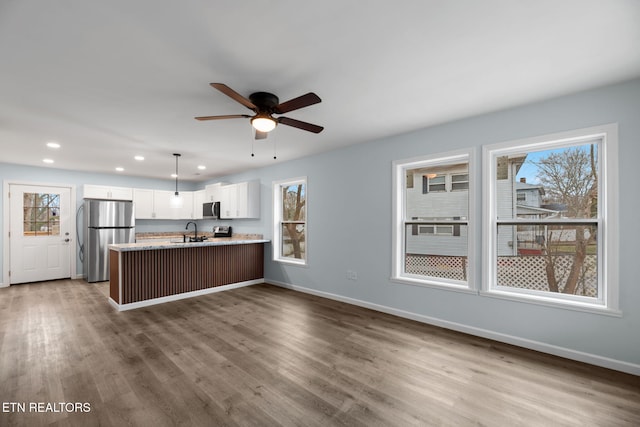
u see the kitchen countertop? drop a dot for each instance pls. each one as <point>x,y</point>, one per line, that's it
<point>217,241</point>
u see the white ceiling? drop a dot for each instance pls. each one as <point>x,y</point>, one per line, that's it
<point>112,79</point>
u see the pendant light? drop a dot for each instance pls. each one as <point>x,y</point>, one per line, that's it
<point>176,199</point>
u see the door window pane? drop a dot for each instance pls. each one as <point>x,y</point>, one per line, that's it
<point>41,214</point>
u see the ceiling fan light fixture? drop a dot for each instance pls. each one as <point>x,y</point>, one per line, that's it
<point>263,123</point>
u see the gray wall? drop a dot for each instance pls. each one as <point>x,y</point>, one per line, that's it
<point>349,223</point>
<point>351,229</point>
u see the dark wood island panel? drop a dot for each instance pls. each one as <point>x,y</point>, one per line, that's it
<point>142,275</point>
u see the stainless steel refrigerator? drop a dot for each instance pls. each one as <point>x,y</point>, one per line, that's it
<point>107,222</point>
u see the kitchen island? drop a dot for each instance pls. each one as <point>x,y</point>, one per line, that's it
<point>148,273</point>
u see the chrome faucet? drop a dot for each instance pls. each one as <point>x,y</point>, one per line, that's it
<point>195,226</point>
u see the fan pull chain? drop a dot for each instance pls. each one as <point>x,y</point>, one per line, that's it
<point>274,149</point>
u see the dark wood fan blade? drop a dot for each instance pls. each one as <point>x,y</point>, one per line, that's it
<point>261,135</point>
<point>297,103</point>
<point>234,95</point>
<point>232,116</point>
<point>300,125</point>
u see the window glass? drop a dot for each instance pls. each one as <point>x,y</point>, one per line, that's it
<point>293,221</point>
<point>436,183</point>
<point>459,182</point>
<point>549,242</point>
<point>290,232</point>
<point>41,214</point>
<point>435,223</point>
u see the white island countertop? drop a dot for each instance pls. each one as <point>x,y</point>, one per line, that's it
<point>218,241</point>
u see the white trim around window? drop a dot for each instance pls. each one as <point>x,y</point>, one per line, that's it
<point>402,221</point>
<point>606,221</point>
<point>278,221</point>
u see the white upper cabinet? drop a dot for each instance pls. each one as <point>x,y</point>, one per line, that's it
<point>107,192</point>
<point>199,198</point>
<point>213,192</point>
<point>143,200</point>
<point>240,200</point>
<point>156,204</point>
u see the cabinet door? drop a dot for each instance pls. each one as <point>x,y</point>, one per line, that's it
<point>199,198</point>
<point>252,198</point>
<point>213,192</point>
<point>241,199</point>
<point>143,200</point>
<point>162,204</point>
<point>121,193</point>
<point>107,192</point>
<point>228,201</point>
<point>248,199</point>
<point>95,192</point>
<point>186,211</point>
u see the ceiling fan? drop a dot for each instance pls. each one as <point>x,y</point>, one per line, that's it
<point>265,105</point>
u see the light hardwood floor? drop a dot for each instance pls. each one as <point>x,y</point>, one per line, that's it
<point>263,356</point>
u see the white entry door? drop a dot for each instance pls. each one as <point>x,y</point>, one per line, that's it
<point>40,239</point>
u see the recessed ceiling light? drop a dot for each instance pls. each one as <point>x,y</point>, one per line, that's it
<point>202,167</point>
<point>139,158</point>
<point>173,175</point>
<point>119,169</point>
<point>47,160</point>
<point>53,144</point>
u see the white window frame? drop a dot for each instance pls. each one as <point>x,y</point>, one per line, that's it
<point>607,221</point>
<point>453,183</point>
<point>399,169</point>
<point>277,221</point>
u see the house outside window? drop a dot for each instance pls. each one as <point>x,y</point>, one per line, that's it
<point>431,224</point>
<point>290,221</point>
<point>548,233</point>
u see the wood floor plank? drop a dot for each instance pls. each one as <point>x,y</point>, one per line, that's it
<point>267,356</point>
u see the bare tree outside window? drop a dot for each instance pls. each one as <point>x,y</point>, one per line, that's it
<point>294,221</point>
<point>570,179</point>
<point>41,214</point>
<point>547,208</point>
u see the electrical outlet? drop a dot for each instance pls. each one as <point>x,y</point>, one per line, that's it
<point>352,275</point>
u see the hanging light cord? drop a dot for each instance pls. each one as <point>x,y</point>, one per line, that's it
<point>177,155</point>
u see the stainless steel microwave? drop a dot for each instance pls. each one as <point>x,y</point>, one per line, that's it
<point>211,210</point>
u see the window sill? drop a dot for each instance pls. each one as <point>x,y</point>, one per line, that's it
<point>291,262</point>
<point>551,302</point>
<point>434,284</point>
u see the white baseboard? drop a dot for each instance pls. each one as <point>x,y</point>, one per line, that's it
<point>2,285</point>
<point>161,300</point>
<point>593,359</point>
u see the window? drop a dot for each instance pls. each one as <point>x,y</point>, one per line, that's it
<point>431,224</point>
<point>41,214</point>
<point>432,183</point>
<point>460,182</point>
<point>555,250</point>
<point>443,230</point>
<point>290,221</point>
